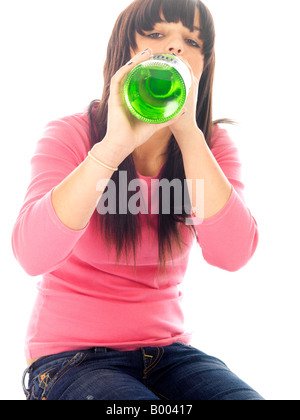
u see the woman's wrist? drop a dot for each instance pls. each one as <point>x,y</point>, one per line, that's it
<point>109,153</point>
<point>186,138</point>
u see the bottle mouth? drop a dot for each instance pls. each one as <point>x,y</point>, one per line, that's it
<point>159,83</point>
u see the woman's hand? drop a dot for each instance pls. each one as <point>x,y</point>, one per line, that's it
<point>124,131</point>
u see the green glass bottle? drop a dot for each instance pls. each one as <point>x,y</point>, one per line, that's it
<point>155,91</point>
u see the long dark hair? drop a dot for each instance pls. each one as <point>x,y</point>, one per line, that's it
<point>123,230</point>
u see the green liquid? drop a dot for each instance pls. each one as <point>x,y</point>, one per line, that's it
<point>154,94</point>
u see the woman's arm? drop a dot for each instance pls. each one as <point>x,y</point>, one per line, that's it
<point>62,195</point>
<point>226,230</point>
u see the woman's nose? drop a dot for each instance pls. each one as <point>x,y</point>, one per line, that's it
<point>175,45</point>
<point>175,50</point>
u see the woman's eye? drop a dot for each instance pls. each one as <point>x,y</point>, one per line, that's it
<point>193,43</point>
<point>155,35</point>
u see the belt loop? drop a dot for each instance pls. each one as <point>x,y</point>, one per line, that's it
<point>26,391</point>
<point>100,349</point>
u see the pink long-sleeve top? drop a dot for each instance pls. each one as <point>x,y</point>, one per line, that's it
<point>84,299</point>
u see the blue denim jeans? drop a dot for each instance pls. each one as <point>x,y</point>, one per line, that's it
<point>175,372</point>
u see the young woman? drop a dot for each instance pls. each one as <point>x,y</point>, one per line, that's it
<point>107,322</point>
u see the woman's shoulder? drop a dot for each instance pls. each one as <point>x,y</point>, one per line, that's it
<point>220,136</point>
<point>78,122</point>
<point>71,132</point>
<point>221,142</point>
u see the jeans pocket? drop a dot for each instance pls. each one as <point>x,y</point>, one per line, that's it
<point>43,380</point>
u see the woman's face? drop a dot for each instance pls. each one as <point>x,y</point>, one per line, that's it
<point>175,38</point>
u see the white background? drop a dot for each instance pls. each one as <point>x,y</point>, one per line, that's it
<point>52,54</point>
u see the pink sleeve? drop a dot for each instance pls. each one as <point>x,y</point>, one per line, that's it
<point>229,239</point>
<point>40,241</point>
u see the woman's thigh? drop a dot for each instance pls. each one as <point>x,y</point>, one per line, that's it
<point>189,374</point>
<point>105,384</point>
